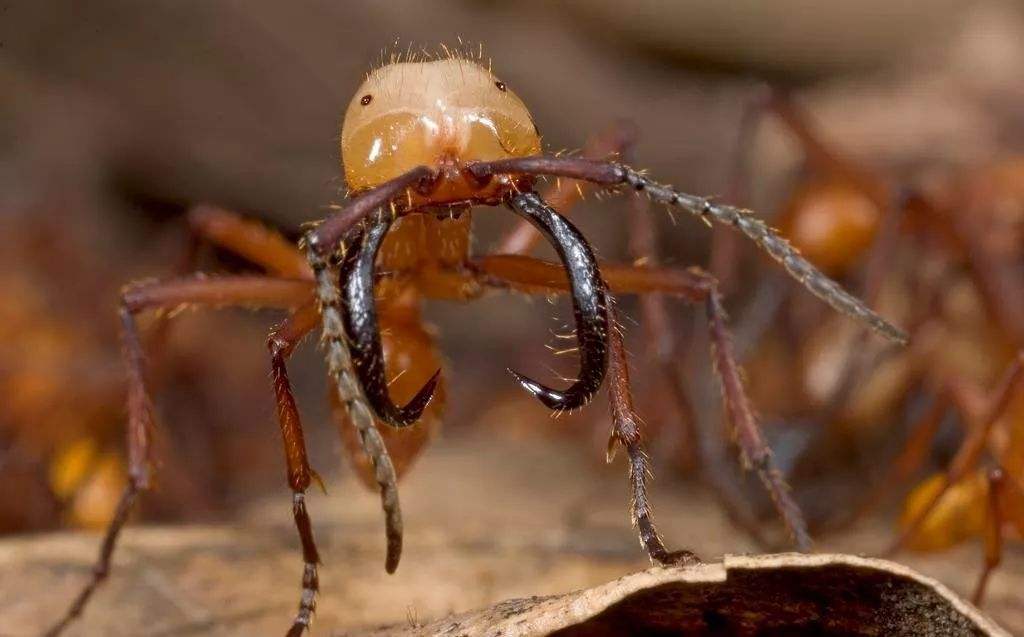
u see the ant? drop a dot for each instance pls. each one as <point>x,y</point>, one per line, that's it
<point>422,142</point>
<point>958,238</point>
<point>61,442</point>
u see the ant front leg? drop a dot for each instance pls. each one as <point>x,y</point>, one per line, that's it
<point>754,449</point>
<point>626,431</point>
<point>281,342</point>
<point>221,291</point>
<point>535,276</point>
<point>701,441</point>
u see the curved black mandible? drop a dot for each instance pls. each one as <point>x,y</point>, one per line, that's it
<point>589,302</point>
<point>359,313</point>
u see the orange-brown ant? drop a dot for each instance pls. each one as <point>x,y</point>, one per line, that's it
<point>945,253</point>
<point>422,142</point>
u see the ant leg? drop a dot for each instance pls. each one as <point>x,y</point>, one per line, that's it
<point>700,442</point>
<point>878,261</point>
<point>970,450</point>
<point>626,431</point>
<point>613,174</point>
<point>616,141</point>
<point>249,239</point>
<point>140,423</point>
<point>915,451</point>
<point>220,291</point>
<point>993,533</point>
<point>997,279</point>
<point>771,100</point>
<point>754,449</point>
<point>281,342</point>
<point>527,274</point>
<point>824,161</point>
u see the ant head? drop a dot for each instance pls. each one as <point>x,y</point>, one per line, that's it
<point>409,114</point>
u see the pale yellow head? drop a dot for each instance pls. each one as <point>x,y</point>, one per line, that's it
<point>440,113</point>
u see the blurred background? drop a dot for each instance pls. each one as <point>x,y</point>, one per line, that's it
<point>884,138</point>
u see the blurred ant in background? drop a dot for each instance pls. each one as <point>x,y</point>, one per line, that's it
<point>947,258</point>
<point>61,425</point>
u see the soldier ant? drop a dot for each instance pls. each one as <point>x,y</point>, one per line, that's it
<point>422,142</point>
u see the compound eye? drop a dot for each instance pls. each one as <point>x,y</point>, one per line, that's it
<point>501,86</point>
<point>366,99</point>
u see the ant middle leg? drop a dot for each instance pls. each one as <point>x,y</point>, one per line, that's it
<point>245,237</point>
<point>249,239</point>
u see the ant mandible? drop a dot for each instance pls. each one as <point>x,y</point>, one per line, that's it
<point>429,140</point>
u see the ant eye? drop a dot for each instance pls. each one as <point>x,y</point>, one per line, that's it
<point>500,85</point>
<point>366,99</point>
